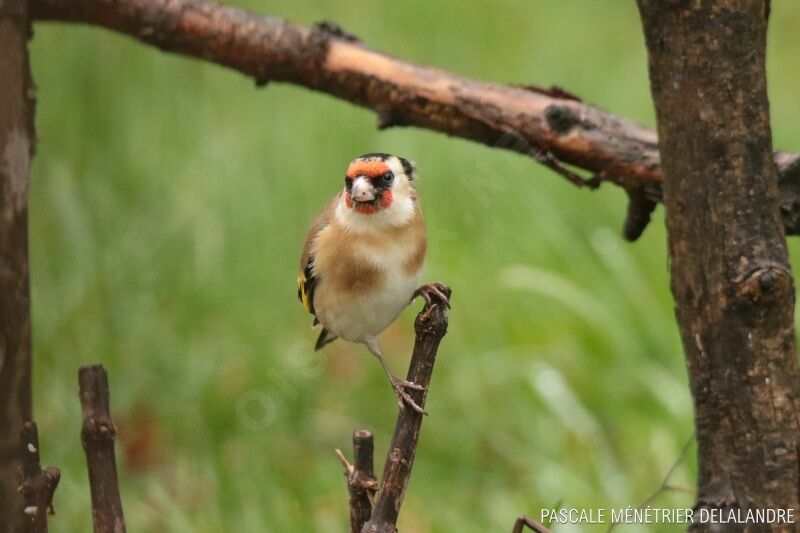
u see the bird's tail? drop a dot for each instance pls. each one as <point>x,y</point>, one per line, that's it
<point>324,338</point>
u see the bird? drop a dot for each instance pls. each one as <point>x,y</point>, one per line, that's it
<point>363,256</point>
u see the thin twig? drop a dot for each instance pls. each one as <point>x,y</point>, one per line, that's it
<point>97,435</point>
<point>37,485</point>
<point>665,485</point>
<point>348,468</point>
<point>430,327</point>
<point>523,521</point>
<point>680,488</point>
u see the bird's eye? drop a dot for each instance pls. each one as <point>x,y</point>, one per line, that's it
<point>387,178</point>
<point>348,183</point>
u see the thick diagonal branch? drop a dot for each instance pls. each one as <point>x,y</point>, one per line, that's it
<point>551,126</point>
<point>431,326</point>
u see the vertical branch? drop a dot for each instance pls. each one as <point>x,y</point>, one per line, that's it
<point>97,435</point>
<point>430,326</point>
<point>729,265</point>
<point>17,141</point>
<point>361,483</point>
<point>38,485</point>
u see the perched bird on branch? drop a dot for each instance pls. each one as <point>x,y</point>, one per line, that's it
<point>363,256</point>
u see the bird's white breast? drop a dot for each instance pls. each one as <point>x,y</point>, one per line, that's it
<point>358,315</point>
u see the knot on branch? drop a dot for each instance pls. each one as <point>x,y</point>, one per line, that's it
<point>765,282</point>
<point>358,479</point>
<point>97,429</point>
<point>392,468</point>
<point>362,481</point>
<point>561,118</point>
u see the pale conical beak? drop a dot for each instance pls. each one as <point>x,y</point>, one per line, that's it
<point>362,190</point>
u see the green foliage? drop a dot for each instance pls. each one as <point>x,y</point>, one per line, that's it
<point>169,203</point>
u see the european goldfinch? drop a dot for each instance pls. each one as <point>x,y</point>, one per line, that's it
<point>363,256</point>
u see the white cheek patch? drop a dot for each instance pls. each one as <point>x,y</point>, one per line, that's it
<point>395,166</point>
<point>398,214</point>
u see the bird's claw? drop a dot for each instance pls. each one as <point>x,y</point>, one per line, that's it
<point>439,290</point>
<point>408,384</point>
<point>403,398</point>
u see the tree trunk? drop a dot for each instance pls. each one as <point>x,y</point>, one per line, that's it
<point>16,149</point>
<point>730,270</point>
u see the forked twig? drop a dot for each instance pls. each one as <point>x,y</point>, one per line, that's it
<point>430,326</point>
<point>381,515</point>
<point>37,485</point>
<point>361,483</point>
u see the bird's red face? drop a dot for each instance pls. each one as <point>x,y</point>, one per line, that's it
<point>368,186</point>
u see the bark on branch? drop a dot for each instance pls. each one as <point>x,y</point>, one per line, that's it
<point>97,435</point>
<point>37,485</point>
<point>549,125</point>
<point>430,326</point>
<point>361,482</point>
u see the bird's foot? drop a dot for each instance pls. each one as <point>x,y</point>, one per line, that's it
<point>438,290</point>
<point>403,398</point>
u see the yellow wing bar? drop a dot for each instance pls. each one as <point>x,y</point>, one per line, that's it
<point>302,294</point>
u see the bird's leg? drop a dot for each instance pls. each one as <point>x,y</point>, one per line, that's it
<point>439,290</point>
<point>398,385</point>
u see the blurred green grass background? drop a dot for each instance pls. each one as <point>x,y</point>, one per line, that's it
<point>168,206</point>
